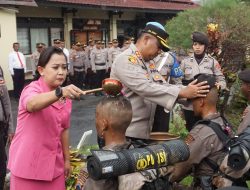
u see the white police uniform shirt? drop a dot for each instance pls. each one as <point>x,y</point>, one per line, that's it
<point>15,63</point>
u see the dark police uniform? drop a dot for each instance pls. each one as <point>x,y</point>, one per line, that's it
<point>5,117</point>
<point>245,122</point>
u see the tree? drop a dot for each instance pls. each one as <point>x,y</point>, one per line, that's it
<point>227,23</point>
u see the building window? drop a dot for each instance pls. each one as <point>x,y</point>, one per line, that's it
<point>56,33</point>
<point>23,39</point>
<point>38,35</point>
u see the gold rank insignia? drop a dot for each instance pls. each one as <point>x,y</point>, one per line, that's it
<point>132,59</point>
<point>156,77</point>
<point>138,54</point>
<point>152,66</point>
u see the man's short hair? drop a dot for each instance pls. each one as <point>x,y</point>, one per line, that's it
<point>117,110</point>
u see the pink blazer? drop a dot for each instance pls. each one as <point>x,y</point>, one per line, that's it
<point>36,150</point>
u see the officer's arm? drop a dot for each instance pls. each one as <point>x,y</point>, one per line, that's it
<point>219,75</point>
<point>134,76</point>
<point>11,64</point>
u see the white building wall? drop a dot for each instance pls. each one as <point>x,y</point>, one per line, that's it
<point>8,36</point>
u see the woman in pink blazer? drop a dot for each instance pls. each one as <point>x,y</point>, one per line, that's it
<point>39,152</point>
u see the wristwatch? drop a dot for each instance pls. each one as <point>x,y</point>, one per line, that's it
<point>59,92</point>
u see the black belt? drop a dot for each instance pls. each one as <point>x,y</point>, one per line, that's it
<point>18,68</point>
<point>100,64</point>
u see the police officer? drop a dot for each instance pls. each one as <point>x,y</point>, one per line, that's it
<point>17,67</point>
<point>143,84</point>
<point>244,76</point>
<point>79,62</point>
<point>199,62</point>
<point>206,149</point>
<point>99,65</point>
<point>90,47</point>
<point>113,52</point>
<point>35,56</point>
<point>169,68</point>
<point>6,126</point>
<point>57,43</point>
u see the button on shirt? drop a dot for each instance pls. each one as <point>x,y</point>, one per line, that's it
<point>36,150</point>
<point>15,62</point>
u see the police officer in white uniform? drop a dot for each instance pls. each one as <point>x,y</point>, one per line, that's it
<point>17,67</point>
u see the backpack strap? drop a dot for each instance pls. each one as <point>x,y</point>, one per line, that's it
<point>217,129</point>
<point>221,135</point>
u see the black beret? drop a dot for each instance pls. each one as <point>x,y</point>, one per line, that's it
<point>211,80</point>
<point>200,37</point>
<point>245,75</point>
<point>160,33</point>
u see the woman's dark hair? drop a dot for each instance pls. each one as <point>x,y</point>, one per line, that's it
<point>45,56</point>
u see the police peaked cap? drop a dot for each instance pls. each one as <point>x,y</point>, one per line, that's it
<point>56,41</point>
<point>159,33</point>
<point>200,37</point>
<point>78,44</point>
<point>245,75</point>
<point>211,80</point>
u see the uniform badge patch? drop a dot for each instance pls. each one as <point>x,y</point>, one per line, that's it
<point>189,139</point>
<point>217,66</point>
<point>132,59</point>
<point>152,66</point>
<point>156,77</point>
<point>137,53</point>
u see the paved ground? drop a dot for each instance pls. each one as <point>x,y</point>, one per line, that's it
<point>82,118</point>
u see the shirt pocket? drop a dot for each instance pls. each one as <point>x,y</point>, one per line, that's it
<point>207,69</point>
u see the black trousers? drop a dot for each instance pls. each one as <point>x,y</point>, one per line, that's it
<point>18,82</point>
<point>100,76</point>
<point>190,118</point>
<point>3,157</point>
<point>161,120</point>
<point>90,79</point>
<point>78,79</point>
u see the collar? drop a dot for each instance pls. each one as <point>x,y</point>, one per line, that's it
<point>43,85</point>
<point>136,52</point>
<point>117,147</point>
<point>212,116</point>
<point>205,58</point>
